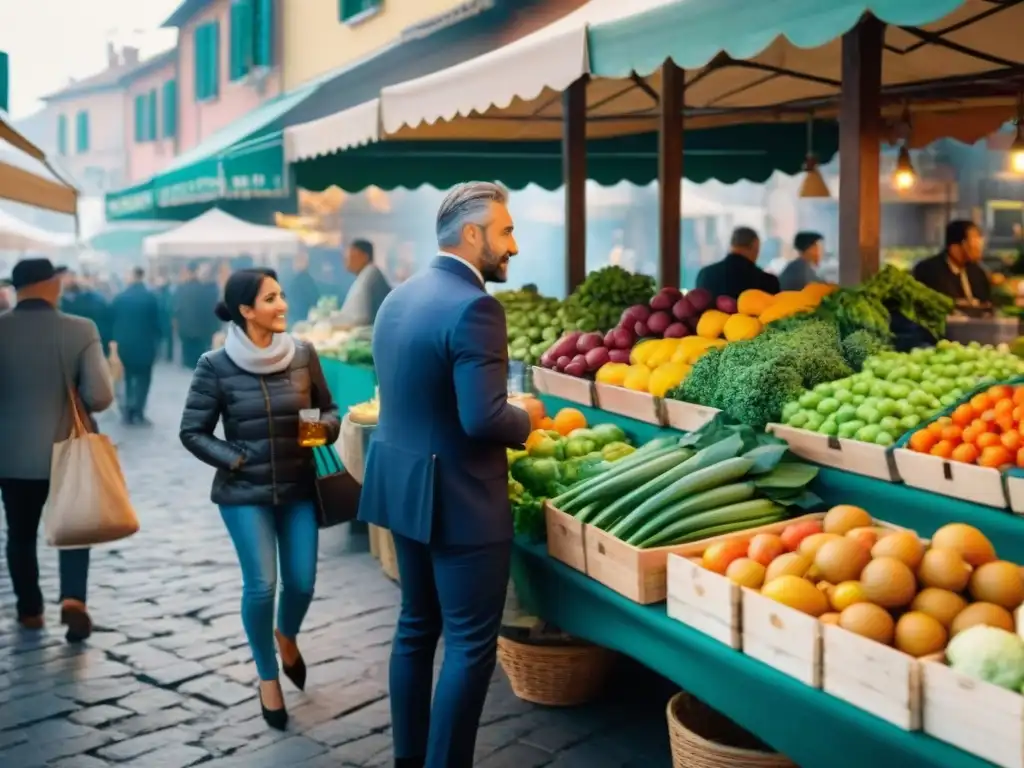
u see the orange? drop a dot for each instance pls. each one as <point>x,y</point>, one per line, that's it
<point>1018,413</point>
<point>1020,458</point>
<point>1006,423</point>
<point>981,403</point>
<point>547,423</point>
<point>989,417</point>
<point>1012,440</point>
<point>966,453</point>
<point>1000,392</point>
<point>938,425</point>
<point>952,433</point>
<point>944,449</point>
<point>963,415</point>
<point>923,441</point>
<point>568,419</point>
<point>994,456</point>
<point>987,440</point>
<point>1004,407</point>
<point>1018,396</point>
<point>981,425</point>
<point>536,437</point>
<point>971,434</point>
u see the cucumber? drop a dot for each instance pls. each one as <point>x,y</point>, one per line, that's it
<point>587,511</point>
<point>619,482</point>
<point>566,501</point>
<point>699,502</point>
<point>719,530</point>
<point>732,513</point>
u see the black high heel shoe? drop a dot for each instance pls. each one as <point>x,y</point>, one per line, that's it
<point>275,718</point>
<point>297,671</point>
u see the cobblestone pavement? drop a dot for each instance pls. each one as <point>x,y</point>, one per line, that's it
<point>167,681</point>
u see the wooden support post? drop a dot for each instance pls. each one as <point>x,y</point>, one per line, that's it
<point>860,210</point>
<point>574,177</point>
<point>670,174</point>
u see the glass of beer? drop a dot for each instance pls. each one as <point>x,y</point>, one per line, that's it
<point>312,433</point>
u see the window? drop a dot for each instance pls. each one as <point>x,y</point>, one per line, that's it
<point>242,39</point>
<point>62,134</point>
<point>263,53</point>
<point>207,61</point>
<point>140,118</point>
<point>350,10</point>
<point>151,116</point>
<point>82,132</point>
<point>170,114</point>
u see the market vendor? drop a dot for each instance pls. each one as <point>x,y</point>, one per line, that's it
<point>802,270</point>
<point>738,271</point>
<point>368,290</point>
<point>956,272</point>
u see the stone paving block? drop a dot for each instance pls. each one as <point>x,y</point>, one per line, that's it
<point>34,708</point>
<point>100,691</point>
<point>130,749</point>
<point>81,761</point>
<point>286,752</point>
<point>156,721</point>
<point>359,751</point>
<point>101,714</point>
<point>30,754</point>
<point>217,690</point>
<point>179,756</point>
<point>150,699</point>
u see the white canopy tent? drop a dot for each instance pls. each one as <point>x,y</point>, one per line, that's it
<point>218,234</point>
<point>17,235</point>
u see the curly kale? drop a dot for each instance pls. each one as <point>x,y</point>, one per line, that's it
<point>860,345</point>
<point>752,380</point>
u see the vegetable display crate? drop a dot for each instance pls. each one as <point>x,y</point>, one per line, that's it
<point>687,417</point>
<point>571,388</point>
<point>1015,490</point>
<point>565,538</point>
<point>976,716</point>
<point>629,403</point>
<point>707,601</point>
<point>874,677</point>
<point>781,637</point>
<point>852,456</point>
<point>978,485</point>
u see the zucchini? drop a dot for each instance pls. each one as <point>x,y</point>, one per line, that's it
<point>581,495</point>
<point>700,502</point>
<point>719,530</point>
<point>618,482</point>
<point>587,511</point>
<point>621,465</point>
<point>707,478</point>
<point>731,513</point>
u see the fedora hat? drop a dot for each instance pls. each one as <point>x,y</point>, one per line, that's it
<point>31,271</point>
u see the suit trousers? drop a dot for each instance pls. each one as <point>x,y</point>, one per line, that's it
<point>23,508</point>
<point>192,348</point>
<point>458,592</point>
<point>137,380</point>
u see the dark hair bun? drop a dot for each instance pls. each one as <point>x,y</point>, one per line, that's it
<point>222,312</point>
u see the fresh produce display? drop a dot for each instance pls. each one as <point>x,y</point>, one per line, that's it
<point>535,321</point>
<point>719,479</point>
<point>753,380</point>
<point>357,351</point>
<point>986,430</point>
<point>990,654</point>
<point>897,391</point>
<point>882,583</point>
<point>560,452</point>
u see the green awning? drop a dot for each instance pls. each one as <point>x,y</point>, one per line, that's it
<point>728,154</point>
<point>243,160</point>
<point>693,32</point>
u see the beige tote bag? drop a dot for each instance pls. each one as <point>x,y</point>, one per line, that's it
<point>88,502</point>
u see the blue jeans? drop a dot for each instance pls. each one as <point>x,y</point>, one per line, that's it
<point>262,535</point>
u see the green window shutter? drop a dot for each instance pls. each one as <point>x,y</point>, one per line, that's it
<point>151,122</point>
<point>170,113</point>
<point>241,38</point>
<point>140,119</point>
<point>200,39</point>
<point>5,81</point>
<point>82,132</point>
<point>263,56</point>
<point>62,134</point>
<point>348,9</point>
<point>213,65</point>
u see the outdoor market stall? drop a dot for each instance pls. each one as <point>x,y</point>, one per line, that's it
<point>17,235</point>
<point>28,176</point>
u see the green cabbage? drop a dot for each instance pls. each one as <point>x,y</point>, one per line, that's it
<point>990,654</point>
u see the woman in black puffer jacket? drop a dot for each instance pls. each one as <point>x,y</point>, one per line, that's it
<point>257,384</point>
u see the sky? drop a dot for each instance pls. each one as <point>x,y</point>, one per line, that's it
<point>51,41</point>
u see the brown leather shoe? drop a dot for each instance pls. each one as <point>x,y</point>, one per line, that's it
<point>32,622</point>
<point>74,615</point>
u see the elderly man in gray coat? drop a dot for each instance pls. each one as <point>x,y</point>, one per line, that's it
<point>43,353</point>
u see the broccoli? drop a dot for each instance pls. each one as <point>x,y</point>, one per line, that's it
<point>700,385</point>
<point>860,345</point>
<point>755,395</point>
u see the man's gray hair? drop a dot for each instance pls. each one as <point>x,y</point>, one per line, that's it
<point>466,204</point>
<point>743,237</point>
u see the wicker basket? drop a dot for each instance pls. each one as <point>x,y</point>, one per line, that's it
<point>703,738</point>
<point>555,675</point>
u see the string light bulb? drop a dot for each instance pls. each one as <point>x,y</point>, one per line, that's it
<point>1017,148</point>
<point>905,177</point>
<point>813,185</point>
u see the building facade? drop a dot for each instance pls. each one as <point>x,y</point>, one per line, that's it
<point>151,116</point>
<point>228,63</point>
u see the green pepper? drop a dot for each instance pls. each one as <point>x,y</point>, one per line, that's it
<point>579,446</point>
<point>608,433</point>
<point>537,474</point>
<point>616,451</point>
<point>545,448</point>
<point>514,456</point>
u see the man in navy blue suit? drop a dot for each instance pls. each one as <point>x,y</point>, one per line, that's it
<point>436,475</point>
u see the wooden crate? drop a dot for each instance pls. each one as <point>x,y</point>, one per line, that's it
<point>571,388</point>
<point>979,485</point>
<point>629,403</point>
<point>707,601</point>
<point>977,717</point>
<point>781,637</point>
<point>874,677</point>
<point>566,538</point>
<point>842,453</point>
<point>687,417</point>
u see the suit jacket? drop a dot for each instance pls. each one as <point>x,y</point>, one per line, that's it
<point>194,303</point>
<point>436,469</point>
<point>39,346</point>
<point>936,274</point>
<point>91,305</point>
<point>137,326</point>
<point>733,275</point>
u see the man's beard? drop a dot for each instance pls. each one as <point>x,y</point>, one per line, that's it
<point>491,264</point>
